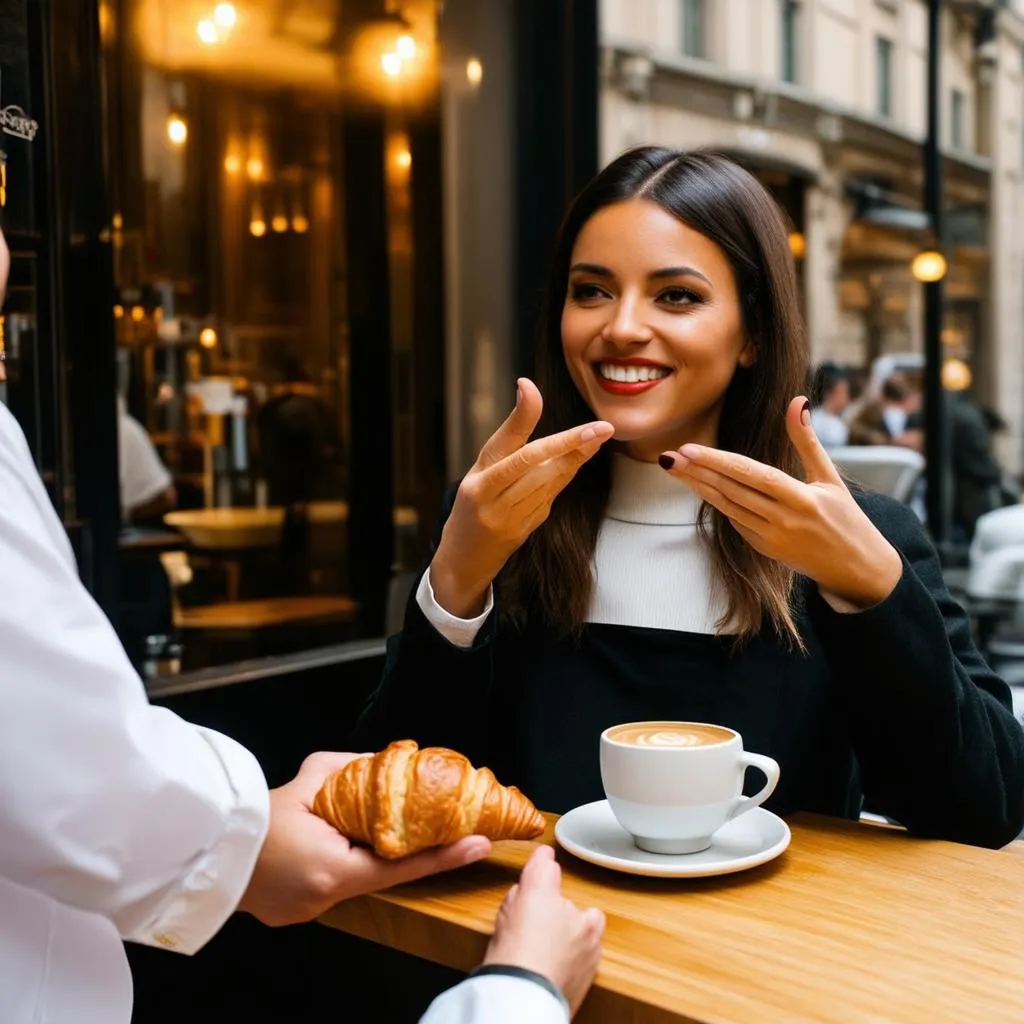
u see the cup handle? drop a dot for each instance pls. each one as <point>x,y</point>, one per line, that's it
<point>771,771</point>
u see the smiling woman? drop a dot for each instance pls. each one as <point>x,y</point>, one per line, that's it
<point>675,544</point>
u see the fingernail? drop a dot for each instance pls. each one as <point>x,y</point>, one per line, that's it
<point>519,393</point>
<point>805,414</point>
<point>666,461</point>
<point>588,434</point>
<point>689,451</point>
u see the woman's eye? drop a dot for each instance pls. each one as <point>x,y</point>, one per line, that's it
<point>679,297</point>
<point>586,292</point>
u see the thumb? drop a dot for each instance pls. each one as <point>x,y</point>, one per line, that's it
<point>314,771</point>
<point>518,426</point>
<point>818,467</point>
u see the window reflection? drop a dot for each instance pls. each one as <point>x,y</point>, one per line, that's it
<point>225,130</point>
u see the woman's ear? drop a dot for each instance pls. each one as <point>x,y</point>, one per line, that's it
<point>749,355</point>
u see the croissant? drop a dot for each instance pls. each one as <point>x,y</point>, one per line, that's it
<point>403,800</point>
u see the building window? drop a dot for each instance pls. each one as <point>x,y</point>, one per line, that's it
<point>956,114</point>
<point>790,12</point>
<point>883,76</point>
<point>693,28</point>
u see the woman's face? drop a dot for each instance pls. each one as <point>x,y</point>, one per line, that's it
<point>652,329</point>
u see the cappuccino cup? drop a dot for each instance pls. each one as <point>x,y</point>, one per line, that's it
<point>672,785</point>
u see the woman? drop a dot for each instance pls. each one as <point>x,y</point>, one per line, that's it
<point>709,563</point>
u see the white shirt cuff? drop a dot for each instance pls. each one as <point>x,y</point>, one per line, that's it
<point>215,882</point>
<point>458,632</point>
<point>494,999</point>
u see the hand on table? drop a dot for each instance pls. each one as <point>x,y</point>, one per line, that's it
<point>540,930</point>
<point>305,866</point>
<point>814,527</point>
<point>503,498</point>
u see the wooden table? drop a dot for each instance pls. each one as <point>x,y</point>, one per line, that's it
<point>854,924</point>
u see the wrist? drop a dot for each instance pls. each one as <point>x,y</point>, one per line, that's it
<point>874,584</point>
<point>459,596</point>
<point>515,971</point>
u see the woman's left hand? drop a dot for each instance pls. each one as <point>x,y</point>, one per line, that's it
<point>814,527</point>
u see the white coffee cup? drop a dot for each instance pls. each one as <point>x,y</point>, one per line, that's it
<point>672,785</point>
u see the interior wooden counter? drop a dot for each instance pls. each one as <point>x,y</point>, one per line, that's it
<point>853,924</point>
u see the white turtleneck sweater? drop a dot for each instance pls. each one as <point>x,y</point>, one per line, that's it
<point>651,567</point>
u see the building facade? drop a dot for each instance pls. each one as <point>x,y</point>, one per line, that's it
<point>826,101</point>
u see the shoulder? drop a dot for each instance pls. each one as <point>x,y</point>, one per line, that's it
<point>888,514</point>
<point>898,523</point>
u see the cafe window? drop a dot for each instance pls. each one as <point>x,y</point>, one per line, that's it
<point>883,76</point>
<point>957,114</point>
<point>790,18</point>
<point>257,209</point>
<point>693,42</point>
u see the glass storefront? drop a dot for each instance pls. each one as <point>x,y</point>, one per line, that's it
<point>304,251</point>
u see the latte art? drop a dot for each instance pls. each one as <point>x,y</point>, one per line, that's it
<point>670,735</point>
<point>666,739</point>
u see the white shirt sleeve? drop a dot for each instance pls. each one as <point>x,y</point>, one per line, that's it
<point>458,632</point>
<point>107,804</point>
<point>495,999</point>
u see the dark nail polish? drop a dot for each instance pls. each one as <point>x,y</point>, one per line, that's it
<point>666,461</point>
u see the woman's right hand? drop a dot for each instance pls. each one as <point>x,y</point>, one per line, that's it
<point>504,497</point>
<point>539,930</point>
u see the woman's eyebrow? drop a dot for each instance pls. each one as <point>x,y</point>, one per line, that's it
<point>680,272</point>
<point>590,268</point>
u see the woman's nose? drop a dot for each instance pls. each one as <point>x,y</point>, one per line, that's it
<point>626,325</point>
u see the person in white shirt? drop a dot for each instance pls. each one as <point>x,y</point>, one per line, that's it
<point>121,821</point>
<point>831,396</point>
<point>147,490</point>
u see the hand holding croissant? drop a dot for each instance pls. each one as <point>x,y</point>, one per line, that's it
<point>404,800</point>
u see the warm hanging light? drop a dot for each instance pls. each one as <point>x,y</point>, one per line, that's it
<point>279,223</point>
<point>403,158</point>
<point>208,337</point>
<point>405,47</point>
<point>232,163</point>
<point>797,245</point>
<point>177,129</point>
<point>207,32</point>
<point>929,266</point>
<point>254,168</point>
<point>138,314</point>
<point>257,223</point>
<point>956,375</point>
<point>300,224</point>
<point>474,71</point>
<point>225,16</point>
<point>391,64</point>
<point>118,312</point>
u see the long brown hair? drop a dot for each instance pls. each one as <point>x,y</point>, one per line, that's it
<point>550,579</point>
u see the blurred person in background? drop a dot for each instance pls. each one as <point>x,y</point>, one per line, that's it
<point>884,420</point>
<point>147,490</point>
<point>830,395</point>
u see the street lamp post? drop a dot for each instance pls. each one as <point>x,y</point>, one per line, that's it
<point>936,446</point>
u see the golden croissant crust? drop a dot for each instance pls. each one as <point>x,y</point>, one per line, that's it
<point>404,800</point>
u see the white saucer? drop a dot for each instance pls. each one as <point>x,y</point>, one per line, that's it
<point>593,834</point>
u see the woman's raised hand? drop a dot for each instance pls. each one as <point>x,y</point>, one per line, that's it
<point>813,525</point>
<point>503,498</point>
